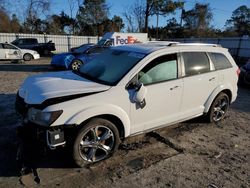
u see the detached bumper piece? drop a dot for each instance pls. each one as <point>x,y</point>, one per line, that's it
<point>51,137</point>
<point>55,137</point>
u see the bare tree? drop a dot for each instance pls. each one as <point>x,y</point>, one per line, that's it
<point>35,8</point>
<point>135,17</point>
<point>74,6</point>
<point>2,4</point>
<point>130,23</point>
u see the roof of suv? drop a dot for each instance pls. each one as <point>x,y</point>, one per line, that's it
<point>152,46</point>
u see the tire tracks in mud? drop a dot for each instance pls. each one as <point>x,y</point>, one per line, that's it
<point>130,158</point>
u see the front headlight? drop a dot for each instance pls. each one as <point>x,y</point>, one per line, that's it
<point>43,118</point>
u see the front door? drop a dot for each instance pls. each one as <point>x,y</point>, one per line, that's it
<point>163,97</point>
<point>11,52</point>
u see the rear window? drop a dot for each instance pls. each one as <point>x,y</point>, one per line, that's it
<point>220,61</point>
<point>195,63</point>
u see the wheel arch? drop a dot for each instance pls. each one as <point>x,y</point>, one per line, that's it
<point>113,119</point>
<point>32,57</point>
<point>114,114</point>
<point>75,59</point>
<point>216,92</point>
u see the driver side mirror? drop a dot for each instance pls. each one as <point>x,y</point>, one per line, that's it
<point>140,94</point>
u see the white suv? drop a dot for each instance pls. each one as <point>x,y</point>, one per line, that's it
<point>127,90</point>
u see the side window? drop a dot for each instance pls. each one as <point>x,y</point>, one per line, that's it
<point>195,63</point>
<point>220,61</point>
<point>96,50</point>
<point>21,42</point>
<point>1,46</point>
<point>7,46</point>
<point>30,41</point>
<point>161,69</point>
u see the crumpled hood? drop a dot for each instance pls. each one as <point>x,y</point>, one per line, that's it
<point>36,89</point>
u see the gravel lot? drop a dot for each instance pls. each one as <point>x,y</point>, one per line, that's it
<point>189,154</point>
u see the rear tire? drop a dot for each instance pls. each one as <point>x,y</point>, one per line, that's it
<point>27,57</point>
<point>219,108</point>
<point>96,141</point>
<point>76,64</point>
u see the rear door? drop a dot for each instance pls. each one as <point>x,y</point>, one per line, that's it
<point>200,80</point>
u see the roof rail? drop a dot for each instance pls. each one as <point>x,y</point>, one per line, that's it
<point>161,43</point>
<point>194,44</point>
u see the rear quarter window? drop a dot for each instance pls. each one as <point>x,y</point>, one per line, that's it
<point>195,63</point>
<point>220,61</point>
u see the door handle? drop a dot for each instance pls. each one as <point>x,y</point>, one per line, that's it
<point>175,87</point>
<point>211,79</point>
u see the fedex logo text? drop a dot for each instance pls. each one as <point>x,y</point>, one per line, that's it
<point>128,40</point>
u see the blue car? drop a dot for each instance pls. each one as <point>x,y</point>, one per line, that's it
<point>245,74</point>
<point>77,57</point>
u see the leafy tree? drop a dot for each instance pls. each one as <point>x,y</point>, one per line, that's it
<point>92,13</point>
<point>160,7</point>
<point>15,25</point>
<point>117,23</point>
<point>4,21</point>
<point>59,24</point>
<point>240,21</point>
<point>198,20</point>
<point>35,25</point>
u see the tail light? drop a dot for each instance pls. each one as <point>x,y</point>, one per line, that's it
<point>238,72</point>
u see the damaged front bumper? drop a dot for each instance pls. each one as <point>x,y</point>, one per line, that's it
<point>52,137</point>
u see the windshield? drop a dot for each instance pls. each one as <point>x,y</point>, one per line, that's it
<point>110,66</point>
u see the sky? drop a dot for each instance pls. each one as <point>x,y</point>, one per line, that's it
<point>222,9</point>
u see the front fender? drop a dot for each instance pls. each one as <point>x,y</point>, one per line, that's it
<point>90,112</point>
<point>214,94</point>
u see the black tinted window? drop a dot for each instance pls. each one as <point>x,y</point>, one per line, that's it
<point>96,50</point>
<point>27,41</point>
<point>220,61</point>
<point>195,63</point>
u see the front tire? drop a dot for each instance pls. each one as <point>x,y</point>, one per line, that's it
<point>96,141</point>
<point>218,108</point>
<point>27,57</point>
<point>76,64</point>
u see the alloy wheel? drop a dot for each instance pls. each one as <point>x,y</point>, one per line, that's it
<point>220,108</point>
<point>96,144</point>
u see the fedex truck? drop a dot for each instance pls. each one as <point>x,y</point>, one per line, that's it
<point>116,38</point>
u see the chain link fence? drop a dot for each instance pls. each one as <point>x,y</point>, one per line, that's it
<point>238,47</point>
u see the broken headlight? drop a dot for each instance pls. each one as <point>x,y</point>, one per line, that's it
<point>43,118</point>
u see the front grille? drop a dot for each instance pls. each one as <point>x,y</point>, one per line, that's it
<point>20,105</point>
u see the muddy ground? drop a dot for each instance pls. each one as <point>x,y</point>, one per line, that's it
<point>189,154</point>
